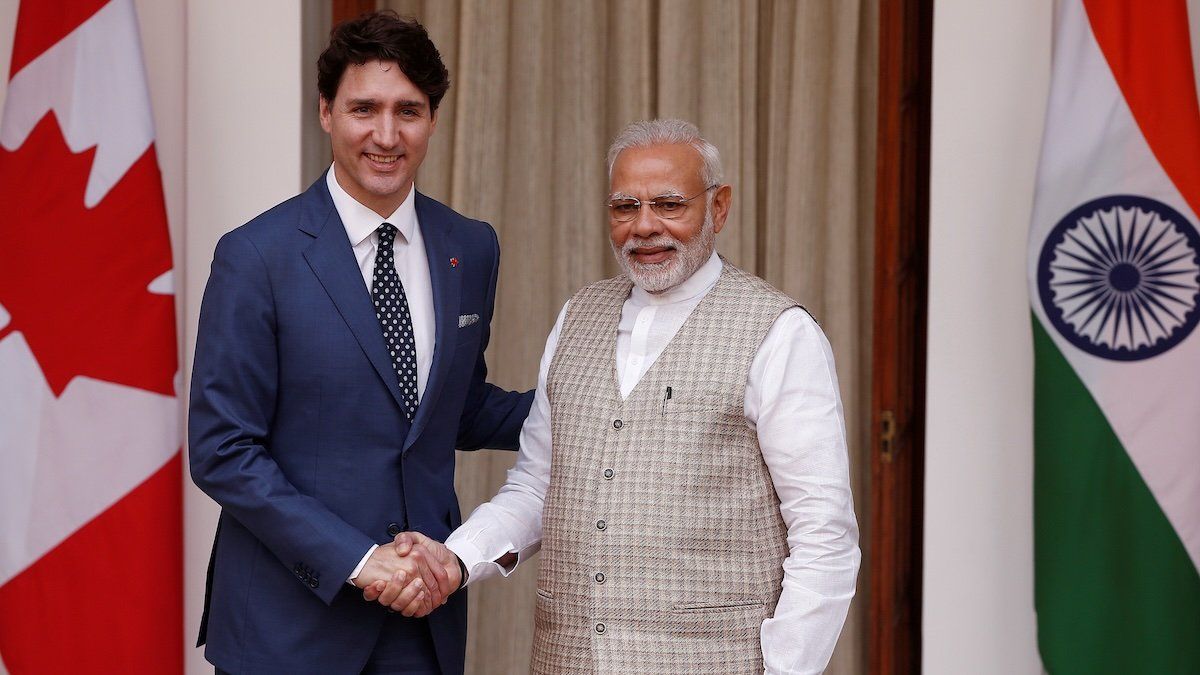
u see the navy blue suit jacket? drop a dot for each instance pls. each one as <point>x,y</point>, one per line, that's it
<point>296,429</point>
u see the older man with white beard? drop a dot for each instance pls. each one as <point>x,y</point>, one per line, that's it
<point>683,469</point>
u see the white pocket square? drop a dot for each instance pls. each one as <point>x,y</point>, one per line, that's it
<point>465,320</point>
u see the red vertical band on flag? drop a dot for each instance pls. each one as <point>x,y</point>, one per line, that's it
<point>1148,48</point>
<point>42,23</point>
<point>81,609</point>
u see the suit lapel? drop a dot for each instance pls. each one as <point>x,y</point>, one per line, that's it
<point>440,247</point>
<point>332,260</point>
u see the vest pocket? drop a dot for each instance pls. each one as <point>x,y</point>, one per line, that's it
<point>544,594</point>
<point>717,606</point>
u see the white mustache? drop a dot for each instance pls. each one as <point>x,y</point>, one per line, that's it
<point>661,241</point>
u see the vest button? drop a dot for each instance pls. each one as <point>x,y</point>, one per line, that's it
<point>600,577</point>
<point>608,474</point>
<point>600,628</point>
<point>393,529</point>
<point>601,525</point>
<point>617,424</point>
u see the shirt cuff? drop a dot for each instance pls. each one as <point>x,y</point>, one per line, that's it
<point>361,564</point>
<point>480,564</point>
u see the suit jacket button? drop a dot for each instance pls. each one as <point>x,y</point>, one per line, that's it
<point>393,529</point>
<point>312,583</point>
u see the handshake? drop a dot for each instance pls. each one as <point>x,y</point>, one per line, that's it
<point>413,575</point>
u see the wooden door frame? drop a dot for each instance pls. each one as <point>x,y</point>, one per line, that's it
<point>895,530</point>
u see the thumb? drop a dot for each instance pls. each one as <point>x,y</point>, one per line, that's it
<point>403,543</point>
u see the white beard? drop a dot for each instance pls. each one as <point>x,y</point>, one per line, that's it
<point>663,276</point>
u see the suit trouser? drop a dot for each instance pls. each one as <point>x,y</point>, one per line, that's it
<point>405,647</point>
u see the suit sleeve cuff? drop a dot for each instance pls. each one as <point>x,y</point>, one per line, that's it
<point>361,564</point>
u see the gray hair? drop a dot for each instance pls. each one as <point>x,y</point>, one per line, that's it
<point>668,132</point>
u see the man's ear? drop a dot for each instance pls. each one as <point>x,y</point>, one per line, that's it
<point>722,200</point>
<point>433,118</point>
<point>324,114</point>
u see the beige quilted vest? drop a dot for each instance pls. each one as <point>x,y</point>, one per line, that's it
<point>663,545</point>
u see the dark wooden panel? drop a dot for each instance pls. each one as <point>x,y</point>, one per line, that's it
<point>898,353</point>
<point>348,9</point>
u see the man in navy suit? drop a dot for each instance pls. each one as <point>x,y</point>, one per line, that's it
<point>339,363</point>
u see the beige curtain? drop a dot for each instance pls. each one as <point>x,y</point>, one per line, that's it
<point>785,89</point>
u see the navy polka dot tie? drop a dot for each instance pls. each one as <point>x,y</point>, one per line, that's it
<point>391,308</point>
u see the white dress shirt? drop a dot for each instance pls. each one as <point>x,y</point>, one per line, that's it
<point>793,404</point>
<point>412,265</point>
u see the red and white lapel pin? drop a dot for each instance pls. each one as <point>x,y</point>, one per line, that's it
<point>454,262</point>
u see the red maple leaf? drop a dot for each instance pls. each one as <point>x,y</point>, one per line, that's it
<point>74,279</point>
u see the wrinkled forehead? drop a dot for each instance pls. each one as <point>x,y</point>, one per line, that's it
<point>657,171</point>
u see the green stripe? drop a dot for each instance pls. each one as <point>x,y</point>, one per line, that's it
<point>1115,590</point>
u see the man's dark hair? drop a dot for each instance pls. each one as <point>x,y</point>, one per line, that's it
<point>383,36</point>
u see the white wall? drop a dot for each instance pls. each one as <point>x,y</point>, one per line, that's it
<point>991,69</point>
<point>224,81</point>
<point>243,156</point>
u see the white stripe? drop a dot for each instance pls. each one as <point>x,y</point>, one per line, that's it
<point>1093,148</point>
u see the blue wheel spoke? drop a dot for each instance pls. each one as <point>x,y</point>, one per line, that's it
<point>1156,283</point>
<point>1080,308</point>
<point>1099,282</point>
<point>1163,295</point>
<point>1108,310</point>
<point>1128,311</point>
<point>1163,263</point>
<point>1137,249</point>
<point>1106,256</point>
<point>1147,300</point>
<point>1155,275</point>
<point>1097,258</point>
<point>1087,291</point>
<point>1122,241</point>
<point>1078,270</point>
<point>1150,247</point>
<point>1137,307</point>
<point>1089,263</point>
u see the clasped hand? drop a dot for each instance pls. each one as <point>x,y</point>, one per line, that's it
<point>413,575</point>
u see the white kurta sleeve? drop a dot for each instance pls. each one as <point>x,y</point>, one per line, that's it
<point>792,399</point>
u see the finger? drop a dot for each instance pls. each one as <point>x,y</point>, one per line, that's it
<point>420,605</point>
<point>403,543</point>
<point>373,591</point>
<point>441,573</point>
<point>421,558</point>
<point>395,588</point>
<point>406,596</point>
<point>437,553</point>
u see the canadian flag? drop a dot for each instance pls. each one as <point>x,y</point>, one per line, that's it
<point>91,546</point>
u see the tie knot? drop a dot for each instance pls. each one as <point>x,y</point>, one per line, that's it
<point>387,233</point>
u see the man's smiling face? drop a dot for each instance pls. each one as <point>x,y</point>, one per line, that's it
<point>379,124</point>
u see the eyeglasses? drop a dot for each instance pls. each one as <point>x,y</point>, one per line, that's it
<point>626,209</point>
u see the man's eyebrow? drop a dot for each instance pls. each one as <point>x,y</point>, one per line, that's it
<point>666,192</point>
<point>406,103</point>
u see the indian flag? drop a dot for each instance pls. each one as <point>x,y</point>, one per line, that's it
<point>1114,279</point>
